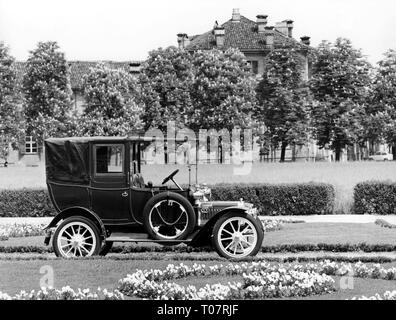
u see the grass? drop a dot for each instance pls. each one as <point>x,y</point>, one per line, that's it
<point>344,176</point>
<point>292,233</point>
<point>19,274</point>
<point>25,275</point>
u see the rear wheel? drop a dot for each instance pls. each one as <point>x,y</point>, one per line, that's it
<point>76,237</point>
<point>169,216</point>
<point>237,236</point>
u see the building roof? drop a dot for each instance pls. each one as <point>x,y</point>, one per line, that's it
<point>80,68</point>
<point>242,35</point>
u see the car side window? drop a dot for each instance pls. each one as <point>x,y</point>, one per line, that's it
<point>109,159</point>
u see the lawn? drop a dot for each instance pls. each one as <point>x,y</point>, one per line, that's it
<point>293,233</point>
<point>344,176</point>
<point>22,271</point>
<point>25,275</point>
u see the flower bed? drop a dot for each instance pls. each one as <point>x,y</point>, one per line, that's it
<point>66,293</point>
<point>16,230</point>
<point>272,225</point>
<point>388,295</point>
<point>260,280</point>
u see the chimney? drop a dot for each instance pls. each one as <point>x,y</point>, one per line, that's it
<point>261,23</point>
<point>306,40</point>
<point>282,27</point>
<point>219,34</point>
<point>182,40</point>
<point>236,16</point>
<point>289,28</point>
<point>269,36</point>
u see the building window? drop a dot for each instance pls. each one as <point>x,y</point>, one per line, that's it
<point>253,66</point>
<point>30,145</point>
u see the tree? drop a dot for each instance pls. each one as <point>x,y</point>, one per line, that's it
<point>340,83</point>
<point>223,92</point>
<point>47,90</point>
<point>10,120</point>
<point>166,79</point>
<point>383,104</point>
<point>285,100</point>
<point>111,105</point>
<point>208,89</point>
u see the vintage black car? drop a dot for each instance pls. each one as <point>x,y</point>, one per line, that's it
<point>96,186</point>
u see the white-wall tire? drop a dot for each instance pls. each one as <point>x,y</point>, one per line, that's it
<point>76,237</point>
<point>237,236</point>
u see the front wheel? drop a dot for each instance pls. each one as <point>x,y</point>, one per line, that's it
<point>237,236</point>
<point>76,237</point>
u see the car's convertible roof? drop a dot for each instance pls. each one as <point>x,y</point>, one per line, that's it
<point>67,160</point>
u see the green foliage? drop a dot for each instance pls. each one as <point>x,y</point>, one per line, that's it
<point>207,89</point>
<point>383,104</point>
<point>10,120</point>
<point>340,83</point>
<point>25,203</point>
<point>277,199</point>
<point>223,90</point>
<point>285,101</point>
<point>375,197</point>
<point>166,81</point>
<point>47,91</point>
<point>111,108</point>
<point>281,199</point>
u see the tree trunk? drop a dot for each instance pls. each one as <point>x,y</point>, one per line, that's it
<point>283,152</point>
<point>394,151</point>
<point>338,154</point>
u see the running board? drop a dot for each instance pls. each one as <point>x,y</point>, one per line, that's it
<point>139,237</point>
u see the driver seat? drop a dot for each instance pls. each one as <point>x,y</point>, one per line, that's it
<point>137,181</point>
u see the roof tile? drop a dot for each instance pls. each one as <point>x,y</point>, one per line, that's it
<point>242,35</point>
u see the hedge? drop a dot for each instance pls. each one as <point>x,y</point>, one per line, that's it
<point>375,197</point>
<point>270,199</point>
<point>25,203</point>
<point>281,199</point>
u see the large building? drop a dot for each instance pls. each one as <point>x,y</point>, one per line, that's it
<point>255,39</point>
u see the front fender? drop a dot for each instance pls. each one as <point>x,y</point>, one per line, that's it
<point>74,211</point>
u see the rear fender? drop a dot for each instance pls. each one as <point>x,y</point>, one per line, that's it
<point>75,211</point>
<point>203,237</point>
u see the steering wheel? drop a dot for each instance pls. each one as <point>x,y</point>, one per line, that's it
<point>170,176</point>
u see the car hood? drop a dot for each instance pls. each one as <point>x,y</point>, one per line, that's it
<point>226,204</point>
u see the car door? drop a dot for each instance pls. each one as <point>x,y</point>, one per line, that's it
<point>110,195</point>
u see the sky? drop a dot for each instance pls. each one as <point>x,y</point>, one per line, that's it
<point>124,30</point>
